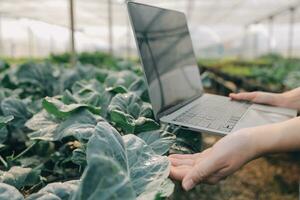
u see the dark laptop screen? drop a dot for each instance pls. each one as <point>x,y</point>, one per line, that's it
<point>167,55</point>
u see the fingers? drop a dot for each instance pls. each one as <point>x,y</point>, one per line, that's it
<point>187,159</point>
<point>184,156</point>
<point>182,165</point>
<point>247,96</point>
<point>177,173</point>
<point>177,162</point>
<point>201,170</point>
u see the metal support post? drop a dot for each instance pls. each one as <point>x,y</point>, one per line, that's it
<point>110,24</point>
<point>271,34</point>
<point>128,46</point>
<point>291,33</point>
<point>1,40</point>
<point>72,31</point>
<point>30,42</point>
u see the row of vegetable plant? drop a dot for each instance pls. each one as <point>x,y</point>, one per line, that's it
<point>85,132</point>
<point>270,72</point>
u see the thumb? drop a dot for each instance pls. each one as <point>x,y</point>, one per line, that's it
<point>198,173</point>
<point>248,96</point>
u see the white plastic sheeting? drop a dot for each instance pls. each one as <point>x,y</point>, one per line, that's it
<point>218,27</point>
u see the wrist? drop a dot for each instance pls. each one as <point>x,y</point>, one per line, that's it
<point>281,100</point>
<point>267,138</point>
<point>253,144</point>
<point>255,141</point>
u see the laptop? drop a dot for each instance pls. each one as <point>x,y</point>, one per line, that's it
<point>174,83</point>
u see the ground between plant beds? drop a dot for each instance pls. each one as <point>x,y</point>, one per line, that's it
<point>273,177</point>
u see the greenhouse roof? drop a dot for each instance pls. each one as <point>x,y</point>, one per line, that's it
<point>217,20</point>
<point>95,12</point>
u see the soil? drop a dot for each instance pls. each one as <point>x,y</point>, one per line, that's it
<point>274,177</point>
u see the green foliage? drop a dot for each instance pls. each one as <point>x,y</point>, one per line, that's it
<point>91,93</point>
<point>270,71</point>
<point>50,128</point>
<point>9,192</point>
<point>187,142</point>
<point>131,114</point>
<point>96,58</point>
<point>3,131</point>
<point>56,124</point>
<point>60,110</point>
<point>125,167</point>
<point>3,66</point>
<point>20,177</point>
<point>57,191</point>
<point>160,141</point>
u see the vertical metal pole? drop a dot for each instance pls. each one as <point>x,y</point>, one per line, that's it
<point>1,40</point>
<point>255,44</point>
<point>51,45</point>
<point>271,30</point>
<point>72,31</point>
<point>110,24</point>
<point>12,49</point>
<point>291,33</point>
<point>189,9</point>
<point>243,50</point>
<point>128,39</point>
<point>30,41</point>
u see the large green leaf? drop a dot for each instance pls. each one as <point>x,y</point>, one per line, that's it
<point>8,192</point>
<point>17,109</point>
<point>80,124</point>
<point>139,87</point>
<point>131,114</point>
<point>107,141</point>
<point>123,78</point>
<point>148,171</point>
<point>20,177</point>
<point>132,164</point>
<point>104,179</point>
<point>3,130</point>
<point>5,120</point>
<point>56,107</point>
<point>56,191</point>
<point>91,93</point>
<point>160,141</point>
<point>5,93</point>
<point>38,78</point>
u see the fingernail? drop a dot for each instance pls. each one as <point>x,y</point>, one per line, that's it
<point>187,185</point>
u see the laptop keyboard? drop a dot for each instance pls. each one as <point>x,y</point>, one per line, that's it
<point>214,113</point>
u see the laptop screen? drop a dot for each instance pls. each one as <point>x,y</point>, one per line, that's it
<point>167,56</point>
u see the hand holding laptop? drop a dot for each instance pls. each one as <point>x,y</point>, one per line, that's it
<point>290,99</point>
<point>236,149</point>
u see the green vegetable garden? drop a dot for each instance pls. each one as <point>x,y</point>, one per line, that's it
<point>80,133</point>
<point>86,132</point>
<point>270,72</point>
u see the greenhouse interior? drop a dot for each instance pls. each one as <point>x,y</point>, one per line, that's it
<point>102,99</point>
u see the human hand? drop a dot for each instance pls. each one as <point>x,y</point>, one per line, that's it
<point>259,97</point>
<point>217,162</point>
<point>290,99</point>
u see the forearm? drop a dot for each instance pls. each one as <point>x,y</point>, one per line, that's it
<point>280,137</point>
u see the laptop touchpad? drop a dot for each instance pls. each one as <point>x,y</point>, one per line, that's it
<point>260,115</point>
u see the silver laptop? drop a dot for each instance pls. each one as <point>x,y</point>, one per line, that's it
<point>174,81</point>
